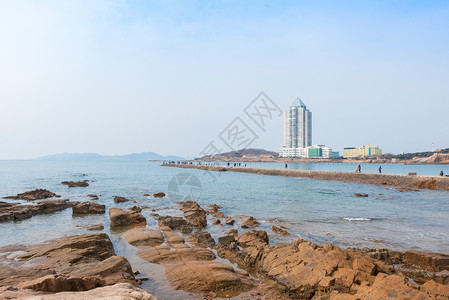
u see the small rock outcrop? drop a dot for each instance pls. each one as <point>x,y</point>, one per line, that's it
<point>360,195</point>
<point>193,213</point>
<point>88,208</point>
<point>159,195</point>
<point>70,184</point>
<point>249,222</point>
<point>175,223</point>
<point>38,194</point>
<point>118,199</point>
<point>253,238</point>
<point>120,217</point>
<point>279,230</point>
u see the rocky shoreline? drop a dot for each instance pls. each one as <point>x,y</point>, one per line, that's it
<point>407,181</point>
<point>235,261</point>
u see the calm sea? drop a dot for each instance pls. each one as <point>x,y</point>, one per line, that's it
<point>320,211</point>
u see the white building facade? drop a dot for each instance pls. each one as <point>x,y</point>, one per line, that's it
<point>298,134</point>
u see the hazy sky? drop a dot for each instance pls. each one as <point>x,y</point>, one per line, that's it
<point>117,77</point>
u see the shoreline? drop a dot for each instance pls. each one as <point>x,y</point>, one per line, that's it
<point>409,181</point>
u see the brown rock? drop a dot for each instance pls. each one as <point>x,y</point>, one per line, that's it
<point>142,236</point>
<point>233,232</point>
<point>360,195</point>
<point>58,283</point>
<point>175,223</point>
<point>215,222</point>
<point>253,238</point>
<point>218,215</point>
<point>118,199</point>
<point>202,238</point>
<point>76,183</point>
<point>226,241</point>
<point>120,217</point>
<point>229,221</point>
<point>211,209</point>
<point>88,208</point>
<point>405,189</point>
<point>279,230</point>
<point>436,290</point>
<point>12,211</point>
<point>163,254</point>
<point>208,276</point>
<point>74,263</point>
<point>249,222</point>
<point>159,195</point>
<point>33,195</point>
<point>193,213</point>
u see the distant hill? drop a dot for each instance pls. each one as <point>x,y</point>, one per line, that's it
<point>242,153</point>
<point>95,156</point>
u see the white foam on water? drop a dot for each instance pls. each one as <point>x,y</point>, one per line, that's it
<point>356,219</point>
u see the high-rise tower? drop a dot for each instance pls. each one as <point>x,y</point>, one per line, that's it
<point>297,126</point>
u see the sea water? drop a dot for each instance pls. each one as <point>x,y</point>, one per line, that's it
<point>316,210</point>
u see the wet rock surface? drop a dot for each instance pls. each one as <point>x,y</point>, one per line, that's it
<point>279,230</point>
<point>159,195</point>
<point>88,208</point>
<point>249,222</point>
<point>15,212</point>
<point>118,199</point>
<point>37,194</point>
<point>71,184</point>
<point>142,236</point>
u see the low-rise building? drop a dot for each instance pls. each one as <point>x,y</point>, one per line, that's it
<point>363,151</point>
<point>316,151</point>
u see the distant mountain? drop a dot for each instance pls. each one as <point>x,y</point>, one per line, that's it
<point>95,156</point>
<point>243,152</point>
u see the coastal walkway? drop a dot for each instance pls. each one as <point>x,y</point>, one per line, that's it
<point>408,181</point>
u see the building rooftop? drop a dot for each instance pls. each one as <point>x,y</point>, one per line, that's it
<point>298,102</point>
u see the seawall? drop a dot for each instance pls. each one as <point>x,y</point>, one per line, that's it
<point>419,182</point>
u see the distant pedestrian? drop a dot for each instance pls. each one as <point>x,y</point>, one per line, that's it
<point>441,173</point>
<point>286,166</point>
<point>380,169</point>
<point>359,169</point>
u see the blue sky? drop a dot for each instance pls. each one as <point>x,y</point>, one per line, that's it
<point>116,77</point>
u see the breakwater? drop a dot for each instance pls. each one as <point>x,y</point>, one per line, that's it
<point>409,181</point>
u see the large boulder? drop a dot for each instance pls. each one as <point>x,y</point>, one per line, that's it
<point>193,213</point>
<point>120,217</point>
<point>37,194</point>
<point>88,208</point>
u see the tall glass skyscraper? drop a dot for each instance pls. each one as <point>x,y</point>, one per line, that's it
<point>297,126</point>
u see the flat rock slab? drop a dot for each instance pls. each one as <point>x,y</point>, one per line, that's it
<point>120,217</point>
<point>15,212</point>
<point>142,236</point>
<point>125,291</point>
<point>37,194</point>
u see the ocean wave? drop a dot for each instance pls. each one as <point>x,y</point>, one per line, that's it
<point>357,219</point>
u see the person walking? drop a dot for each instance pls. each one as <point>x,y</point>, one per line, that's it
<point>359,168</point>
<point>380,169</point>
<point>286,166</point>
<point>441,173</point>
